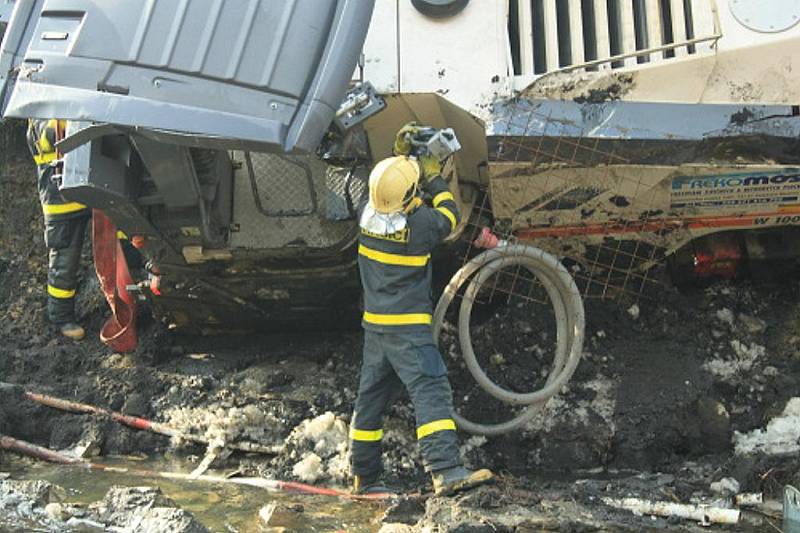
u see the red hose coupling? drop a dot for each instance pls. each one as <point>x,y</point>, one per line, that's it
<point>155,285</point>
<point>138,241</point>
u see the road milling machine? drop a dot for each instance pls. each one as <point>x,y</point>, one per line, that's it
<point>231,141</point>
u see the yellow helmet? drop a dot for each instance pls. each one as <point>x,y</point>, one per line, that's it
<point>392,184</point>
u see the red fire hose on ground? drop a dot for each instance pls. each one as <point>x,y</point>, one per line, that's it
<point>273,485</point>
<point>119,331</point>
<point>136,422</point>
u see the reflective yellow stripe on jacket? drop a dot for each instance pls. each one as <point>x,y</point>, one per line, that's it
<point>407,319</point>
<point>450,216</point>
<point>62,209</point>
<point>446,424</point>
<point>442,197</point>
<point>62,294</point>
<point>366,435</point>
<point>44,159</point>
<point>393,259</point>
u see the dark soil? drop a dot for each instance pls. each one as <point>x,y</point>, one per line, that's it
<point>642,415</point>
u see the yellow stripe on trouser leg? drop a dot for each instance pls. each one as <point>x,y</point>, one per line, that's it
<point>366,435</point>
<point>450,216</point>
<point>55,292</point>
<point>446,424</point>
<point>443,197</point>
<point>409,319</point>
<point>62,209</point>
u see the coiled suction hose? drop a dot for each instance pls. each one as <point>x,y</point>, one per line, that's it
<point>570,322</point>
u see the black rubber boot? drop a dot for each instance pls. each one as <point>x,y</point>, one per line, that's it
<point>371,486</point>
<point>458,478</point>
<point>72,331</point>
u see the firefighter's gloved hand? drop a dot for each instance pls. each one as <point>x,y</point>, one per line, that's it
<point>430,167</point>
<point>402,145</point>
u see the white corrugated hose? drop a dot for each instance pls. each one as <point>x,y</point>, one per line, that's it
<point>570,323</point>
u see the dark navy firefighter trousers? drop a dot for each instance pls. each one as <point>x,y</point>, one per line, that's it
<point>391,362</point>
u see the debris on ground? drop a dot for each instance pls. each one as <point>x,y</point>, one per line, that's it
<point>702,514</point>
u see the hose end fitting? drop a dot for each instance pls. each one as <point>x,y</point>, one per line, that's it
<point>488,240</point>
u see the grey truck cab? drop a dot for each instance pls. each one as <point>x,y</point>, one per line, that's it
<point>206,128</point>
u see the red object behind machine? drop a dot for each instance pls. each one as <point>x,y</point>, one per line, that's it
<point>119,331</point>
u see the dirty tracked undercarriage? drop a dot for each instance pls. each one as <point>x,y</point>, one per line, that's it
<point>287,254</point>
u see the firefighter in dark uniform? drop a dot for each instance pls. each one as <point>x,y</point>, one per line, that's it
<point>398,233</point>
<point>65,226</point>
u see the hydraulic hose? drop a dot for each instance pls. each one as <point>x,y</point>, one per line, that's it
<point>569,316</point>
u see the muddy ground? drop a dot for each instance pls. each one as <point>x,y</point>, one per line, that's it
<point>655,409</point>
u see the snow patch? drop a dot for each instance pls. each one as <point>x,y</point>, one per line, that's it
<point>562,408</point>
<point>725,315</point>
<point>323,444</point>
<point>781,436</point>
<point>309,468</point>
<point>222,425</point>
<point>725,486</point>
<point>744,358</point>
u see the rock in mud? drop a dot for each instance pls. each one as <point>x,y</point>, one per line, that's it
<point>752,324</point>
<point>406,512</point>
<point>488,510</point>
<point>714,424</point>
<point>272,515</point>
<point>26,500</point>
<point>37,492</point>
<point>145,509</point>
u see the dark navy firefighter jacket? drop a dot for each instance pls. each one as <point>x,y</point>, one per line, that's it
<point>42,136</point>
<point>396,269</point>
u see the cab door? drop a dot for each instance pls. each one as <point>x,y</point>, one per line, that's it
<point>258,74</point>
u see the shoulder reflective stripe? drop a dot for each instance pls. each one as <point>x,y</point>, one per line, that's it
<point>55,292</point>
<point>447,424</point>
<point>393,259</point>
<point>366,435</point>
<point>443,197</point>
<point>450,216</point>
<point>45,158</point>
<point>408,319</point>
<point>61,209</point>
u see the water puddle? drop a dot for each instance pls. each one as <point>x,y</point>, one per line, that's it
<point>231,508</point>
